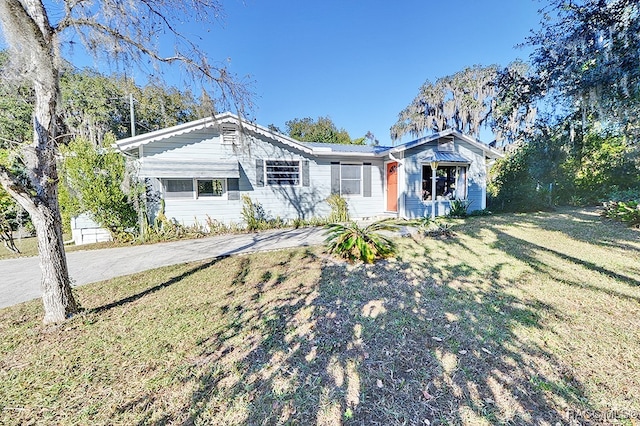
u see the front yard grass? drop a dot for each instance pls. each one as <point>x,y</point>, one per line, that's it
<point>28,246</point>
<point>520,319</point>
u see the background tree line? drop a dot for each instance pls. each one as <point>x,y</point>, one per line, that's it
<point>93,105</point>
<point>584,149</point>
<point>569,121</point>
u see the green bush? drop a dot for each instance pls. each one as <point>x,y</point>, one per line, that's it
<point>314,221</point>
<point>559,167</point>
<point>439,229</point>
<point>94,180</point>
<point>165,229</point>
<point>256,218</point>
<point>352,242</point>
<point>12,215</point>
<point>459,208</point>
<point>215,227</point>
<point>8,210</point>
<point>603,162</point>
<point>630,194</point>
<point>623,211</point>
<point>435,228</point>
<point>482,212</point>
<point>339,209</point>
<point>513,185</point>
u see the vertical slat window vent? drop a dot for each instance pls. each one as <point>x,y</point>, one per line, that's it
<point>229,134</point>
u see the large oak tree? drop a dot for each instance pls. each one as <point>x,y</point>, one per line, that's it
<point>501,99</point>
<point>120,30</point>
<point>587,54</point>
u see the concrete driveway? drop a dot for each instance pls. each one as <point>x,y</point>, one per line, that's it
<point>20,278</point>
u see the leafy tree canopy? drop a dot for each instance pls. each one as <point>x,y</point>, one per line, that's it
<point>93,104</point>
<point>587,54</point>
<point>471,99</point>
<point>95,182</point>
<point>321,130</point>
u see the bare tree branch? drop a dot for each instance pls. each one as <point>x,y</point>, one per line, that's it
<point>16,188</point>
<point>128,30</point>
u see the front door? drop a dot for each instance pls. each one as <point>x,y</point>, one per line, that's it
<point>392,187</point>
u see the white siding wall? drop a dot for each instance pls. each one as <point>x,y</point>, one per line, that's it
<point>287,202</point>
<point>476,176</point>
<point>414,206</point>
<point>359,206</point>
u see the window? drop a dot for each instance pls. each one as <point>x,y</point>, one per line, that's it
<point>211,187</point>
<point>283,172</point>
<point>450,182</point>
<point>195,188</point>
<point>178,188</point>
<point>350,179</point>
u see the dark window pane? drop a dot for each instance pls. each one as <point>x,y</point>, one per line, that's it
<point>210,188</point>
<point>283,172</point>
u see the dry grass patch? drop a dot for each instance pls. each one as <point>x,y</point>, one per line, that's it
<point>28,246</point>
<point>520,319</point>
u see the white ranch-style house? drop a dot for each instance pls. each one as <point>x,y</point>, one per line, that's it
<point>202,168</point>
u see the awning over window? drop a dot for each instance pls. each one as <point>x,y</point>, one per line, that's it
<point>446,157</point>
<point>189,168</point>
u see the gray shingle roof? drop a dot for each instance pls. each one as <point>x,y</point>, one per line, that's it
<point>338,147</point>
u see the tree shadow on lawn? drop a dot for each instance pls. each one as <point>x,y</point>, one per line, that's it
<point>528,252</point>
<point>600,299</point>
<point>384,344</point>
<point>585,225</point>
<point>151,290</point>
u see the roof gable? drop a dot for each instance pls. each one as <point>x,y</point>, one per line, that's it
<point>488,151</point>
<point>134,142</point>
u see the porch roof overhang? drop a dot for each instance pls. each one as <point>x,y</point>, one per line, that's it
<point>445,157</point>
<point>173,168</point>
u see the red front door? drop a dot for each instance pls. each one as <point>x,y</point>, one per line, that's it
<point>392,187</point>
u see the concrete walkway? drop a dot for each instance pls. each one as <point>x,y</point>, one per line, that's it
<point>20,278</point>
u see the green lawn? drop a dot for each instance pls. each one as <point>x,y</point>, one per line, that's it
<point>520,319</point>
<point>29,247</point>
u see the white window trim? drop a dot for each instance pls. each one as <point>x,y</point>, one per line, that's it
<point>166,194</point>
<point>194,191</point>
<point>265,177</point>
<point>349,163</point>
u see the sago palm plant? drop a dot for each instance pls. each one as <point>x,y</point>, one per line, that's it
<point>353,242</point>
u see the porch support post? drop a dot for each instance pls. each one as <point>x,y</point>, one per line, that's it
<point>434,166</point>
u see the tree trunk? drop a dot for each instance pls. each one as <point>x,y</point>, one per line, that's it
<point>31,37</point>
<point>40,160</point>
<point>59,303</point>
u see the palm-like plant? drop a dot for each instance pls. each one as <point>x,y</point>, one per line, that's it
<point>353,242</point>
<point>459,208</point>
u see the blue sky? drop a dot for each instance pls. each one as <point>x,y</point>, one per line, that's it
<point>361,62</point>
